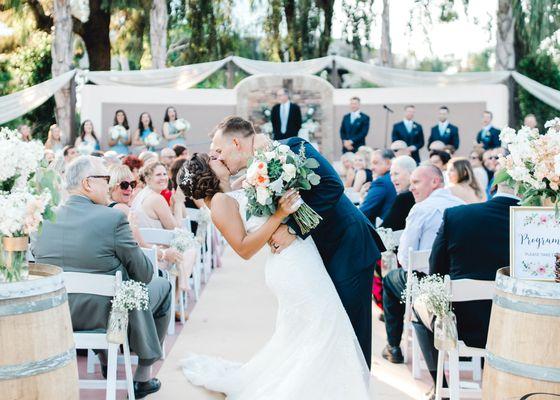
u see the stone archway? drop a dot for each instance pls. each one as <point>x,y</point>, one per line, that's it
<point>308,91</point>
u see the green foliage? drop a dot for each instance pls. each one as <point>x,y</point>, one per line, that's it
<point>541,68</point>
<point>435,64</point>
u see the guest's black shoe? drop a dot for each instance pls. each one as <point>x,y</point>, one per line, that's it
<point>431,394</point>
<point>104,371</point>
<point>381,317</point>
<point>142,389</point>
<point>393,354</point>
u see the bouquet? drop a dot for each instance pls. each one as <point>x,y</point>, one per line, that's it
<point>152,140</point>
<point>533,165</point>
<point>388,238</point>
<point>28,195</point>
<point>271,173</point>
<point>117,132</point>
<point>86,148</point>
<point>182,124</point>
<point>130,295</point>
<point>183,239</point>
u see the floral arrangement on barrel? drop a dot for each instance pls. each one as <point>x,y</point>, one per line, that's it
<point>28,195</point>
<point>274,171</point>
<point>533,165</point>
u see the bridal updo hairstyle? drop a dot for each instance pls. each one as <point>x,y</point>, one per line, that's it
<point>196,178</point>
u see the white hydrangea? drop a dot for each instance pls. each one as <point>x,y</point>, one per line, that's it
<point>18,158</point>
<point>21,212</point>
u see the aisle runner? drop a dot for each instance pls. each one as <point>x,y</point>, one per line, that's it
<point>235,317</point>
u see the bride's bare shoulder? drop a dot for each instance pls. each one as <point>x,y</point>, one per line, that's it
<point>222,200</point>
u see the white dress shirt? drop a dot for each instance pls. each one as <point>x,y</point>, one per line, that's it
<point>408,123</point>
<point>284,114</point>
<point>423,222</point>
<point>354,116</point>
<point>442,126</point>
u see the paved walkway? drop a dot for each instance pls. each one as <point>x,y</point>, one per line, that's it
<point>234,317</point>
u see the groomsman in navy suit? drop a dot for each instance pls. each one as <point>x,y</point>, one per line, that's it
<point>354,127</point>
<point>285,117</point>
<point>444,131</point>
<point>488,136</point>
<point>409,131</point>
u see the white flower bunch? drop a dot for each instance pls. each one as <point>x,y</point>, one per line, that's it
<point>388,238</point>
<point>86,148</point>
<point>18,159</point>
<point>533,165</point>
<point>118,131</point>
<point>183,239</point>
<point>310,125</point>
<point>21,212</point>
<point>431,291</point>
<point>181,124</point>
<point>152,140</point>
<point>131,295</point>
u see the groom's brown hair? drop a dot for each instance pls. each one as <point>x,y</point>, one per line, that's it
<point>233,124</point>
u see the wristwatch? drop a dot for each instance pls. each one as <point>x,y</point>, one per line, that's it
<point>291,231</point>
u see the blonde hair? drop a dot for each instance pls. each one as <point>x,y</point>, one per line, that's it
<point>366,152</point>
<point>49,143</point>
<point>465,173</point>
<point>148,170</point>
<point>118,174</point>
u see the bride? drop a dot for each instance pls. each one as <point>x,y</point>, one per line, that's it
<point>313,353</point>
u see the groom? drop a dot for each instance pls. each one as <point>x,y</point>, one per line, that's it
<point>347,242</point>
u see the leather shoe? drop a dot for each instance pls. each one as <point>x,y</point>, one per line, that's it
<point>142,389</point>
<point>431,394</point>
<point>393,354</point>
<point>104,371</point>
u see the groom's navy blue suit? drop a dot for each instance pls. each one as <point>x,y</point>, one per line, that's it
<point>347,242</point>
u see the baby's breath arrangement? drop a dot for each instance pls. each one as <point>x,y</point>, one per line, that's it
<point>183,239</point>
<point>131,295</point>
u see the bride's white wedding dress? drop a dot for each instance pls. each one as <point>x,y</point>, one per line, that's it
<point>313,353</point>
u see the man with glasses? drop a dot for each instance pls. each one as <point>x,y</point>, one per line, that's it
<point>89,237</point>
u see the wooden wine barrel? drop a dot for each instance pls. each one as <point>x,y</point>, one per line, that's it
<point>37,355</point>
<point>523,340</point>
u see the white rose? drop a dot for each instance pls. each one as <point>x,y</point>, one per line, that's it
<point>262,195</point>
<point>557,164</point>
<point>283,148</point>
<point>289,172</point>
<point>252,173</point>
<point>269,155</point>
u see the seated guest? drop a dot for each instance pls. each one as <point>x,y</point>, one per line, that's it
<point>70,153</point>
<point>462,182</point>
<point>422,224</point>
<point>347,170</point>
<point>436,145</point>
<point>382,193</point>
<point>147,156</point>
<point>444,131</point>
<point>354,127</point>
<point>54,139</point>
<point>89,237</point>
<point>181,151</point>
<point>25,132</point>
<point>120,144</point>
<point>362,172</point>
<point>401,168</point>
<point>400,148</point>
<point>409,131</point>
<point>452,254</point>
<point>439,159</point>
<point>167,156</point>
<point>480,173</point>
<point>488,136</point>
<point>530,121</point>
<point>134,164</point>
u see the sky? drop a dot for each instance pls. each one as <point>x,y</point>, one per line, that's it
<point>452,40</point>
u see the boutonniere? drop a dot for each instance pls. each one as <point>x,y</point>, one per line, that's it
<point>448,130</point>
<point>413,126</point>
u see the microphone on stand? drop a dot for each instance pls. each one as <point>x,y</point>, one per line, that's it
<point>387,108</point>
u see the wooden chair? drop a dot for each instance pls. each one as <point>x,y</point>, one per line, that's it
<point>101,285</point>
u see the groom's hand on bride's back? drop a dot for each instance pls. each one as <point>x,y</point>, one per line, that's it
<point>281,239</point>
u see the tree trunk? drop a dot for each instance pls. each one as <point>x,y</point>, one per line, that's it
<point>505,52</point>
<point>328,9</point>
<point>158,33</point>
<point>385,53</point>
<point>96,37</point>
<point>61,51</point>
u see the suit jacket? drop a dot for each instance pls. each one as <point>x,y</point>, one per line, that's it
<point>356,132</point>
<point>294,122</point>
<point>450,136</point>
<point>346,240</point>
<point>413,138</point>
<point>379,199</point>
<point>489,139</point>
<point>396,217</point>
<point>465,251</point>
<point>91,238</point>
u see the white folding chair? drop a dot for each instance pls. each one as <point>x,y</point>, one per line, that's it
<point>417,260</point>
<point>101,285</point>
<point>164,237</point>
<point>463,290</point>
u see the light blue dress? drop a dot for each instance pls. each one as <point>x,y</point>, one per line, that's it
<point>120,147</point>
<point>180,140</point>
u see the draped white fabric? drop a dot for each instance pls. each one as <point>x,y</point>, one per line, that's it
<point>16,104</point>
<point>544,93</point>
<point>179,78</point>
<point>388,77</point>
<point>307,67</point>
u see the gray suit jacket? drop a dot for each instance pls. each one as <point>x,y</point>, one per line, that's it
<point>91,238</point>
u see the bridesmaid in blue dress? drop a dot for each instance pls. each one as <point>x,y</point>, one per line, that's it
<point>145,128</point>
<point>120,145</point>
<point>170,132</point>
<point>87,142</point>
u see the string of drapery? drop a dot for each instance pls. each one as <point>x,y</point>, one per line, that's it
<point>187,76</point>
